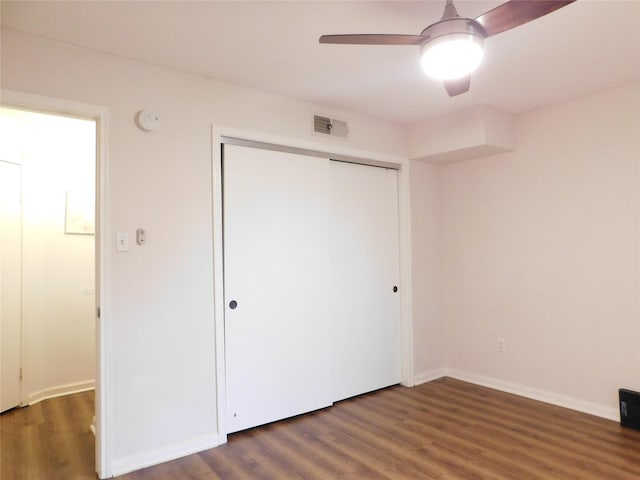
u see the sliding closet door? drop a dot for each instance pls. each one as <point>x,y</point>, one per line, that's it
<point>365,305</point>
<point>276,273</point>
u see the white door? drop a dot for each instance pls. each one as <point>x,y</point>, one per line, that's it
<point>276,277</point>
<point>10,284</point>
<point>365,300</point>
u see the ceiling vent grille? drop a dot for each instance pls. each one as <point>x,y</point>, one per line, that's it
<point>330,126</point>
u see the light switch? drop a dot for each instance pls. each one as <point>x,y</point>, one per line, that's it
<point>122,242</point>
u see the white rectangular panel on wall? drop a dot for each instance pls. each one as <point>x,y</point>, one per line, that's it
<point>10,284</point>
<point>365,309</point>
<point>276,283</point>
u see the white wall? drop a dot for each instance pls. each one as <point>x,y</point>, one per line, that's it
<point>541,247</point>
<point>428,322</point>
<point>58,302</point>
<point>163,363</point>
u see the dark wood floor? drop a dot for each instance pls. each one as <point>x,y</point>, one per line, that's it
<point>445,430</point>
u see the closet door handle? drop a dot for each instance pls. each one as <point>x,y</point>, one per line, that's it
<point>395,288</point>
<point>233,304</point>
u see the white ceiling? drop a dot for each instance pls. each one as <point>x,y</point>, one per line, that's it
<point>587,46</point>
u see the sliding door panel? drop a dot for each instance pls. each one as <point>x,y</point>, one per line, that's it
<point>276,273</point>
<point>365,308</point>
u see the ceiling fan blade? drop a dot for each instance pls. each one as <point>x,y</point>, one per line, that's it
<point>457,86</point>
<point>373,39</point>
<point>517,12</point>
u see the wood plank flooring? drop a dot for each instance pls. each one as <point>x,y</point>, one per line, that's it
<point>49,440</point>
<point>445,430</point>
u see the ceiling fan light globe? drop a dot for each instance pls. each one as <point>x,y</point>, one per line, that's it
<point>452,56</point>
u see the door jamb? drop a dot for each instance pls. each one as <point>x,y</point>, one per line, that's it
<point>103,400</point>
<point>21,326</point>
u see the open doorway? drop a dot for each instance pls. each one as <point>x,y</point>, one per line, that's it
<point>48,255</point>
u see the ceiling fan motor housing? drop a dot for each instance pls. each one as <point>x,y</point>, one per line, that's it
<point>453,26</point>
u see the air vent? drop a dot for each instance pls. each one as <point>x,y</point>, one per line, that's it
<point>322,124</point>
<point>330,126</point>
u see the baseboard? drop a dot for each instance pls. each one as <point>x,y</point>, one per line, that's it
<point>164,454</point>
<point>428,376</point>
<point>59,391</point>
<point>537,394</point>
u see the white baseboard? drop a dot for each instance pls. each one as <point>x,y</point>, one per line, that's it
<point>164,454</point>
<point>553,398</point>
<point>429,375</point>
<point>59,391</point>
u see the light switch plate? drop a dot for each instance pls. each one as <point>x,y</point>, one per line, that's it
<point>122,242</point>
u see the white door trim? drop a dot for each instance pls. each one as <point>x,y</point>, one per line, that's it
<point>13,324</point>
<point>103,400</point>
<point>219,133</point>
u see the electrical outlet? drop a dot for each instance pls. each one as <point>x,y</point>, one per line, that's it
<point>501,345</point>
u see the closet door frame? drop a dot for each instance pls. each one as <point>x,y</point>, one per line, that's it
<point>334,151</point>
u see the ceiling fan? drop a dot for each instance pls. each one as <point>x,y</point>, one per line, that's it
<point>451,48</point>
